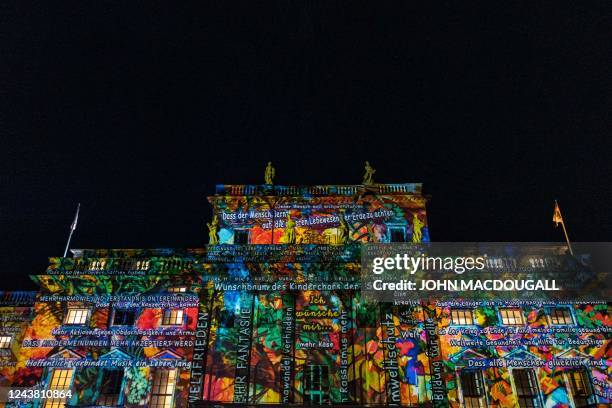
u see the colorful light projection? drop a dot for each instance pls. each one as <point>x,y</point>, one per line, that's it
<point>508,336</point>
<point>93,324</point>
<point>314,346</point>
<point>336,218</point>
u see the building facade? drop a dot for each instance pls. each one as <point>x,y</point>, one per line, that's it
<point>15,315</point>
<point>271,312</point>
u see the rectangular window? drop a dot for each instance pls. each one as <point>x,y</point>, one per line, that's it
<point>560,316</point>
<point>526,385</point>
<point>5,342</point>
<point>172,317</point>
<point>581,389</point>
<point>61,379</point>
<point>397,235</point>
<point>462,316</point>
<point>110,392</point>
<point>76,316</point>
<point>317,384</point>
<point>177,289</point>
<point>472,389</point>
<point>511,316</point>
<point>162,392</point>
<point>241,236</point>
<point>124,317</point>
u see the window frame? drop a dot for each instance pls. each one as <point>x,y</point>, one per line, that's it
<point>245,231</point>
<point>124,310</point>
<point>463,310</point>
<point>586,386</point>
<point>535,396</point>
<point>399,228</point>
<point>514,310</point>
<point>77,309</point>
<point>177,289</point>
<point>553,310</point>
<point>5,341</point>
<point>168,319</point>
<point>58,402</point>
<point>321,394</point>
<point>119,395</point>
<point>154,384</point>
<point>472,399</point>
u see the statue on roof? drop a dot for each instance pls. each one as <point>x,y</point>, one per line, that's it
<point>368,177</point>
<point>269,174</point>
<point>213,239</point>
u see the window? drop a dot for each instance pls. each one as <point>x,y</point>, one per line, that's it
<point>76,316</point>
<point>177,289</point>
<point>511,317</point>
<point>124,317</point>
<point>317,384</point>
<point>462,316</point>
<point>110,391</point>
<point>61,379</point>
<point>172,317</point>
<point>579,385</point>
<point>526,386</point>
<point>241,236</point>
<point>560,316</point>
<point>162,392</point>
<point>472,389</point>
<point>536,262</point>
<point>5,342</point>
<point>397,235</point>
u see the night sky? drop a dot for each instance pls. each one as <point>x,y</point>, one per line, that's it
<point>137,111</point>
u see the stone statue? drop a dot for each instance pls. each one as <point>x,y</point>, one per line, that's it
<point>269,174</point>
<point>213,239</point>
<point>289,232</point>
<point>417,226</point>
<point>368,177</point>
<point>343,230</point>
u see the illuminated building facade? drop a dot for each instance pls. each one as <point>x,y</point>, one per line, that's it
<point>15,316</point>
<point>272,313</point>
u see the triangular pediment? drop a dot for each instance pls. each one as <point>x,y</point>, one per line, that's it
<point>66,354</point>
<point>467,354</point>
<point>572,353</point>
<point>116,354</point>
<point>520,354</point>
<point>167,355</point>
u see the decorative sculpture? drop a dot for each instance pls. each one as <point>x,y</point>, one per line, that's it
<point>289,232</point>
<point>269,174</point>
<point>368,177</point>
<point>213,239</point>
<point>417,226</point>
<point>343,230</point>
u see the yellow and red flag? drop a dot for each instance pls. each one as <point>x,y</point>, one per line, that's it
<point>557,218</point>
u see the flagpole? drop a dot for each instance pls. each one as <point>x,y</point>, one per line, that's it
<point>569,245</point>
<point>72,228</point>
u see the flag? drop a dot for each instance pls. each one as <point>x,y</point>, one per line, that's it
<point>76,219</point>
<point>557,218</point>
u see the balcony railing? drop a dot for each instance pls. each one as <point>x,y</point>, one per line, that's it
<point>17,298</point>
<point>322,190</point>
<point>115,265</point>
<point>195,263</point>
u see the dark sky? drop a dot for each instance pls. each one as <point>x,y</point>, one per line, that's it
<point>137,111</point>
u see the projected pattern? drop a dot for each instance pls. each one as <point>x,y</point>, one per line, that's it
<point>273,315</point>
